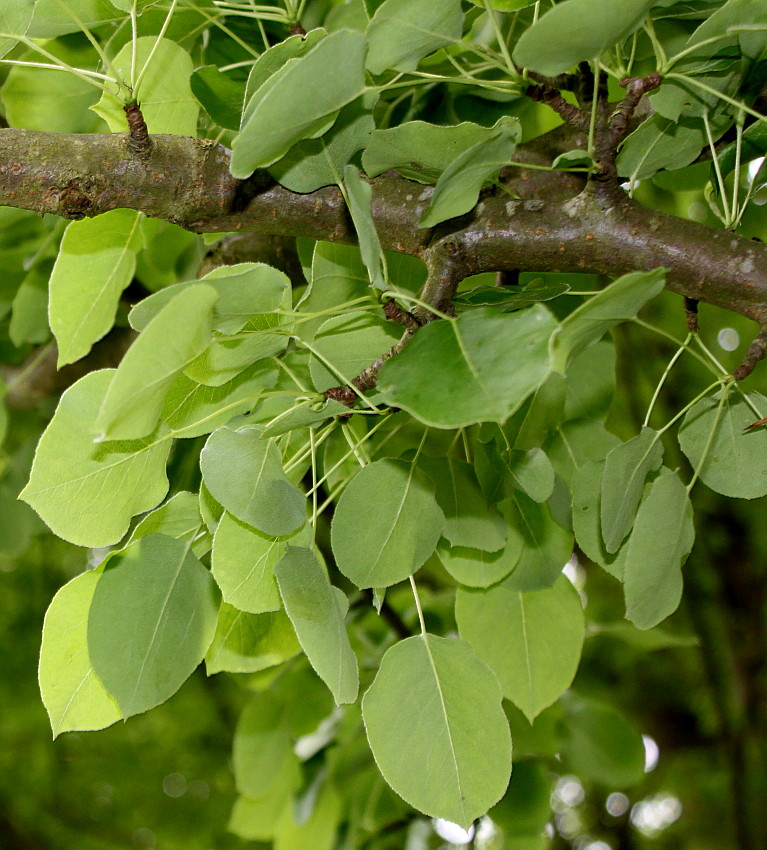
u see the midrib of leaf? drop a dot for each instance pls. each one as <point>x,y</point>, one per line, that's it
<point>528,667</point>
<point>104,469</point>
<point>405,24</point>
<point>121,257</point>
<point>469,364</point>
<point>393,525</point>
<point>632,477</point>
<point>260,474</point>
<point>258,562</point>
<point>160,619</point>
<point>75,692</point>
<point>425,638</point>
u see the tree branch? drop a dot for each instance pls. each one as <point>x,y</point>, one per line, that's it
<point>187,181</point>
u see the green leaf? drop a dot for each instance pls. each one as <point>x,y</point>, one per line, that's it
<point>660,143</point>
<point>546,546</point>
<point>29,320</point>
<point>243,564</point>
<point>437,730</point>
<point>402,32</point>
<point>659,544</point>
<point>293,103</point>
<point>263,746</point>
<point>309,413</point>
<point>151,621</point>
<point>317,611</point>
<point>360,196</point>
<point>626,470</point>
<point>503,5</point>
<point>87,492</point>
<point>247,643</point>
<point>191,409</point>
<point>164,94</point>
<point>245,291</point>
<point>591,382</point>
<point>577,30</point>
<point>220,96</point>
<point>736,464</point>
<point>475,568</point>
<point>532,641</point>
<point>418,150</point>
<point>531,472</point>
<point>256,819</point>
<point>133,5</point>
<point>349,344</point>
<point>616,303</point>
<point>179,518</point>
<point>512,297</point>
<point>243,472</point>
<point>314,163</point>
<point>272,60</point>
<point>52,18</point>
<point>471,382</point>
<point>170,342</point>
<point>96,262</point>
<point>386,523</point>
<point>600,744</point>
<point>587,498</point>
<point>469,520</point>
<point>73,694</point>
<point>458,187</point>
<point>318,831</point>
<point>15,19</point>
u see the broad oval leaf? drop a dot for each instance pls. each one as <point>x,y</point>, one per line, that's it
<point>458,187</point>
<point>170,342</point>
<point>386,523</point>
<point>314,163</point>
<point>577,30</point>
<point>437,730</point>
<point>263,746</point>
<point>402,32</point>
<point>96,261</point>
<point>243,563</point>
<point>659,544</point>
<point>469,520</point>
<point>532,641</point>
<point>73,694</point>
<point>179,518</point>
<point>165,92</point>
<point>418,150</point>
<point>244,290</point>
<point>247,643</point>
<point>467,363</point>
<point>626,470</point>
<point>317,611</point>
<point>616,303</point>
<point>601,744</point>
<point>243,472</point>
<point>152,619</point>
<point>736,464</point>
<point>305,91</point>
<point>475,568</point>
<point>545,546</point>
<point>88,492</point>
<point>15,19</point>
<point>345,345</point>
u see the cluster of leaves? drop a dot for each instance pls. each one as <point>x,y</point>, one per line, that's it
<point>270,522</point>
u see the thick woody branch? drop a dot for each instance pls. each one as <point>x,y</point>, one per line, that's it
<point>187,181</point>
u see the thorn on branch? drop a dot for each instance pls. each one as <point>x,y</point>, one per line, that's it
<point>691,314</point>
<point>756,352</point>
<point>138,135</point>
